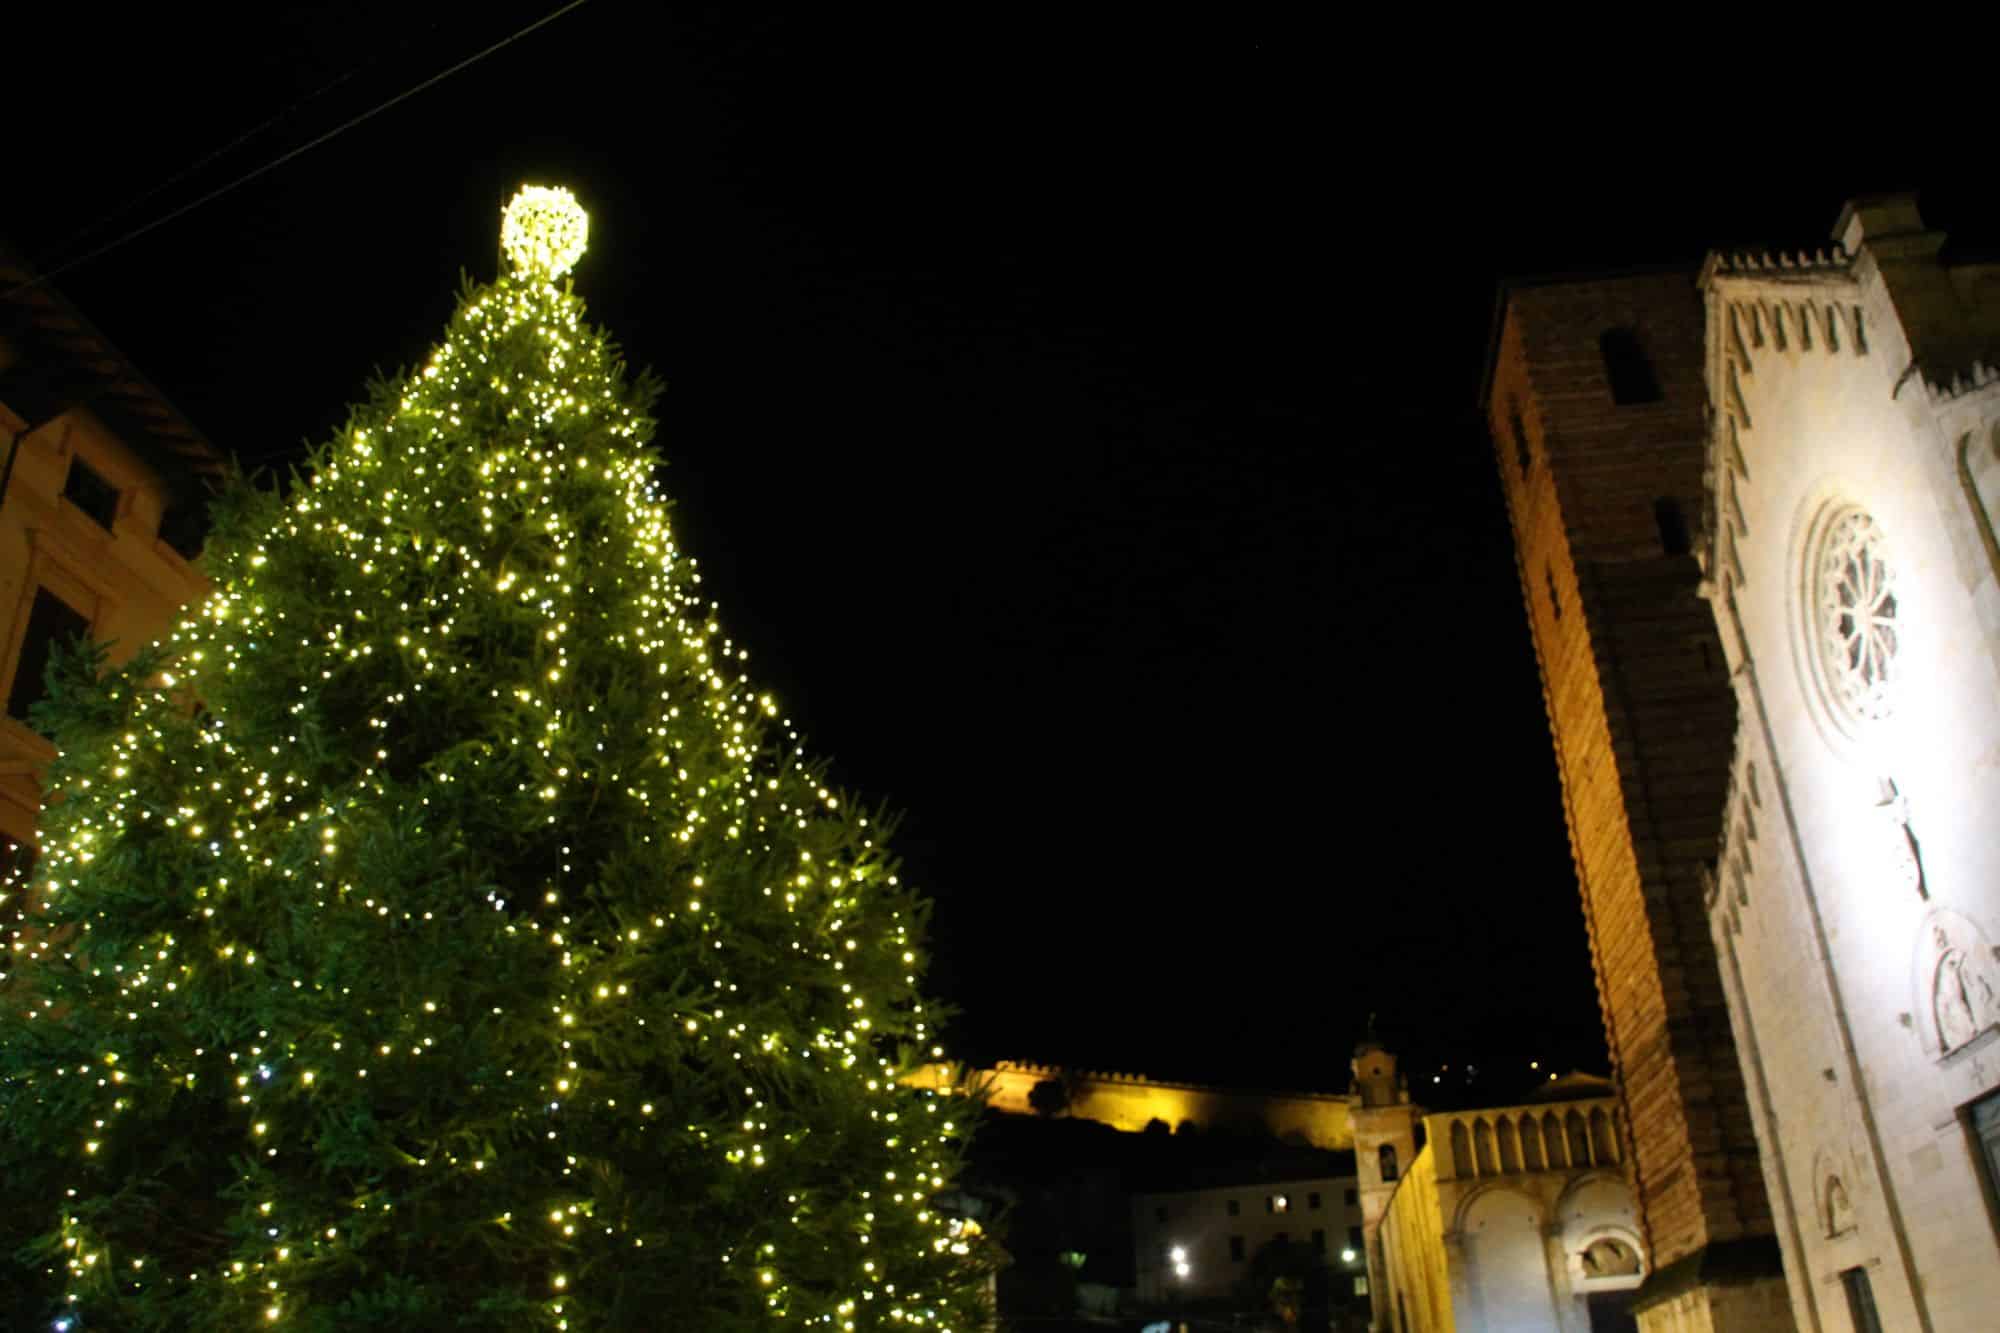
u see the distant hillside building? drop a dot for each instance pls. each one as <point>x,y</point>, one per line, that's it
<point>103,490</point>
<point>1853,492</point>
<point>1596,406</point>
<point>1511,1219</point>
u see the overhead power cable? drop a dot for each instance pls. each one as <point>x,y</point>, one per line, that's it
<point>306,147</point>
<point>104,220</point>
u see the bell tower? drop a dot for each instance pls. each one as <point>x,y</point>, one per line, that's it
<point>1599,416</point>
<point>1385,1142</point>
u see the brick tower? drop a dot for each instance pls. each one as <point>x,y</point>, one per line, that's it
<point>1595,401</point>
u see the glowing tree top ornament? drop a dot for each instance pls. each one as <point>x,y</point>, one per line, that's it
<point>544,232</point>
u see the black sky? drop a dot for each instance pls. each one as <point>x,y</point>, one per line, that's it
<point>1075,414</point>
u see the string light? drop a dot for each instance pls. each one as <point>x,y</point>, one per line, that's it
<point>443,864</point>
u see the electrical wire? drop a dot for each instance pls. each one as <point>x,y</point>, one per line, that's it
<point>281,159</point>
<point>105,219</point>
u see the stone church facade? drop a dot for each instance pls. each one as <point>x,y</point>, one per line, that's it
<point>1755,514</point>
<point>1853,489</point>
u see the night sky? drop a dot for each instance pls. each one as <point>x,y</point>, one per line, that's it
<point>1075,415</point>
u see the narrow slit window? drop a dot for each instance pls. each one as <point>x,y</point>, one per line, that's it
<point>1628,368</point>
<point>1520,430</point>
<point>1673,525</point>
<point>1555,598</point>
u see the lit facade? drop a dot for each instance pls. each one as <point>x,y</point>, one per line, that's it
<point>1853,494</point>
<point>1195,1245</point>
<point>101,512</point>
<point>1509,1219</point>
<point>1133,1102</point>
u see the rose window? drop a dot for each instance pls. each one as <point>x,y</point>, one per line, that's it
<point>1854,593</point>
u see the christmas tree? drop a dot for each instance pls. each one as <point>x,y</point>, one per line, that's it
<point>437,930</point>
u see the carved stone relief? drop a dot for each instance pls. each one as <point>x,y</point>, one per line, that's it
<point>1958,979</point>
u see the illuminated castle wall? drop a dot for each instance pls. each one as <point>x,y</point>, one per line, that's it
<point>1853,474</point>
<point>1132,1102</point>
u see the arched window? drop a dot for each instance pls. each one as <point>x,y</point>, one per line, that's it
<point>1579,1139</point>
<point>1385,1158</point>
<point>1509,1146</point>
<point>1531,1143</point>
<point>1603,1143</point>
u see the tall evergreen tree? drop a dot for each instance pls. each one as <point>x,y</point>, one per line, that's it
<point>438,930</point>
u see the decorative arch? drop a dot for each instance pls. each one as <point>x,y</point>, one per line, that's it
<point>1577,1137</point>
<point>1603,1138</point>
<point>1471,1200</point>
<point>1584,1182</point>
<point>1838,1207</point>
<point>1598,1220</point>
<point>1552,1139</point>
<point>1531,1143</point>
<point>1502,1230</point>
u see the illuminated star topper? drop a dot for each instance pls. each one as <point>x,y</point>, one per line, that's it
<point>544,231</point>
